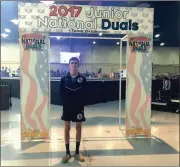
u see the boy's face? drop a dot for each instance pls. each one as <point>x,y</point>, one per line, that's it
<point>73,65</point>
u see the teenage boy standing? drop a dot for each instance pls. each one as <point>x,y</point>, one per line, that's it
<point>72,91</point>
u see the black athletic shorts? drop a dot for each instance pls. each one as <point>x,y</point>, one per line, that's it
<point>74,116</point>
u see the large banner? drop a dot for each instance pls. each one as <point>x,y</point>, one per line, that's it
<point>137,23</point>
<point>138,87</point>
<point>34,84</point>
<point>37,17</point>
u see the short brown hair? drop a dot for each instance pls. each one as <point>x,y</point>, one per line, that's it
<point>75,59</point>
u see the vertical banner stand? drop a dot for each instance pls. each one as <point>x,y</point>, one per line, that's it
<point>138,89</point>
<point>34,86</point>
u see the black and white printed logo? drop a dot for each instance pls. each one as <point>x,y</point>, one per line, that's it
<point>80,80</point>
<point>79,116</point>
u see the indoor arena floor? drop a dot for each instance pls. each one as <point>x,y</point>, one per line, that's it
<point>103,144</point>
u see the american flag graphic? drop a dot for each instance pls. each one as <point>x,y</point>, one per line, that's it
<point>34,85</point>
<point>138,89</point>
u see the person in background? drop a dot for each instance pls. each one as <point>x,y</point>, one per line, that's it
<point>73,93</point>
<point>58,73</point>
<point>13,73</point>
<point>166,88</point>
<point>6,69</point>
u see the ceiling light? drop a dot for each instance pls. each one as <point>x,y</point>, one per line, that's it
<point>4,35</point>
<point>15,21</point>
<point>47,3</point>
<point>58,38</point>
<point>100,34</point>
<point>162,44</point>
<point>7,30</point>
<point>94,42</point>
<point>117,43</point>
<point>157,35</point>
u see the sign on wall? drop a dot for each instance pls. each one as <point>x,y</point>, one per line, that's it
<point>34,86</point>
<point>138,87</point>
<point>36,17</point>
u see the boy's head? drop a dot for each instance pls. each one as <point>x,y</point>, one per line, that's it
<point>74,64</point>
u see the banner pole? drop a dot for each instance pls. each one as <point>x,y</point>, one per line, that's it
<point>120,59</point>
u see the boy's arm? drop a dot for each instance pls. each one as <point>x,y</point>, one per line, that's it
<point>85,91</point>
<point>62,88</point>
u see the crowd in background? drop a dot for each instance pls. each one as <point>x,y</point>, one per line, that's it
<point>87,74</point>
<point>164,87</point>
<point>7,72</point>
<point>161,76</point>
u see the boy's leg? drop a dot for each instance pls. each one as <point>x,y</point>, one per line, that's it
<point>78,141</point>
<point>78,135</point>
<point>67,127</point>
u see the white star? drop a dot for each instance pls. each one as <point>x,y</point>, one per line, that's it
<point>41,66</point>
<point>145,67</point>
<point>149,74</point>
<point>45,73</point>
<point>42,79</point>
<point>45,60</point>
<point>146,79</point>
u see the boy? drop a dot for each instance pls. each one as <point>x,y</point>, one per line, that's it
<point>72,91</point>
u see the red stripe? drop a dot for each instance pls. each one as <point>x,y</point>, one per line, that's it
<point>136,94</point>
<point>22,120</point>
<point>142,39</point>
<point>39,111</point>
<point>32,94</point>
